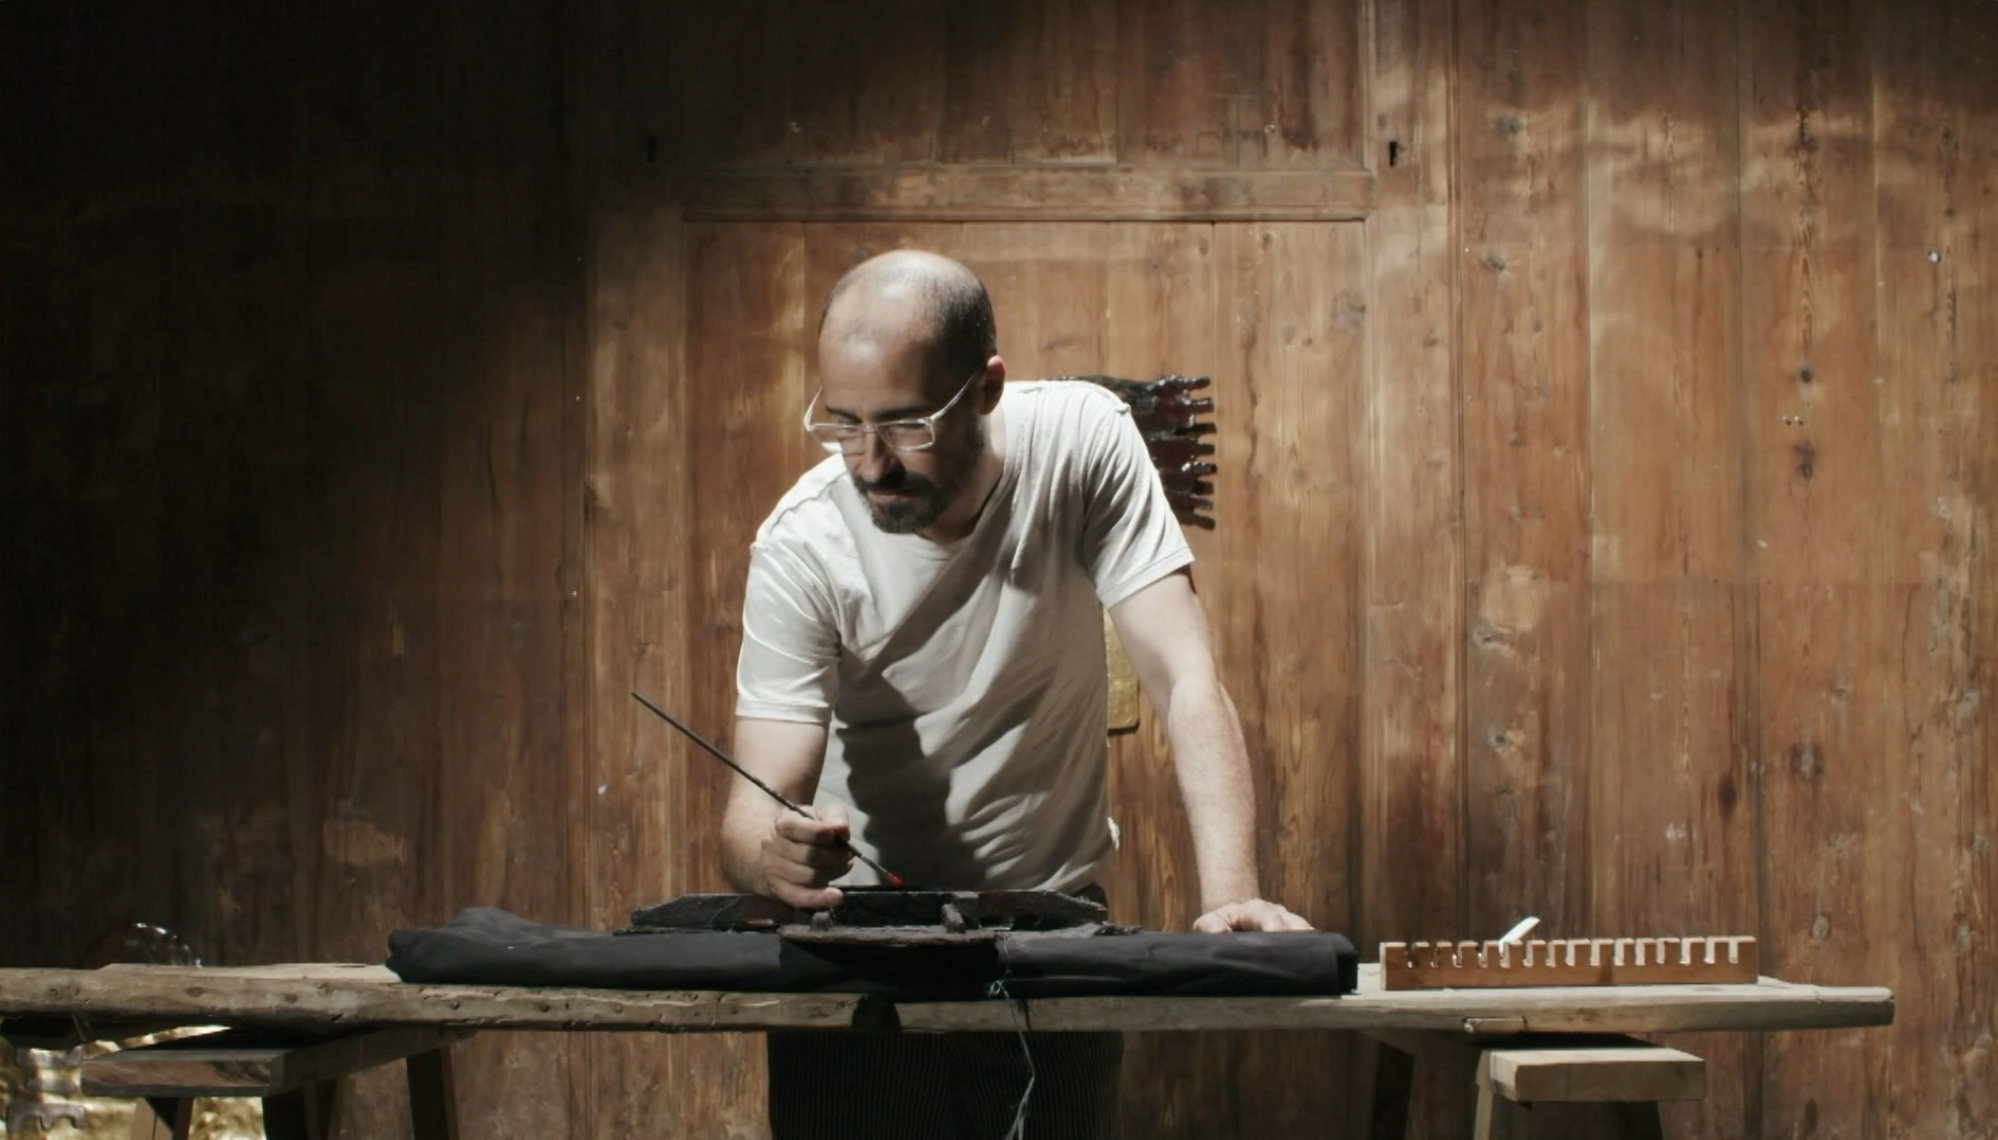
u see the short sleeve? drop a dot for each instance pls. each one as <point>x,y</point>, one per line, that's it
<point>1130,537</point>
<point>790,645</point>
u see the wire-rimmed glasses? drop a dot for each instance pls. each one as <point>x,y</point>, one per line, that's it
<point>850,438</point>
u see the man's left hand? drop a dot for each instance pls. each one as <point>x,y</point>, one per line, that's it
<point>1250,914</point>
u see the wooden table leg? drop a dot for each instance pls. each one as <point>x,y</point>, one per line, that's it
<point>1440,1075</point>
<point>1481,1121</point>
<point>171,1117</point>
<point>433,1111</point>
<point>304,1113</point>
<point>1638,1120</point>
<point>1394,1081</point>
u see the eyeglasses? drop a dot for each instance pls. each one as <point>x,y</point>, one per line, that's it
<point>845,438</point>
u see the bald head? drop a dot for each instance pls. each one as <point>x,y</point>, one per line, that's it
<point>908,300</point>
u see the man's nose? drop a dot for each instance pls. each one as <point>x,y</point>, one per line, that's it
<point>874,458</point>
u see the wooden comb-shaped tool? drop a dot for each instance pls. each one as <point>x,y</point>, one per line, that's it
<point>1569,962</point>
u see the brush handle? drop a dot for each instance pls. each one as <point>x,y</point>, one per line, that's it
<point>887,876</point>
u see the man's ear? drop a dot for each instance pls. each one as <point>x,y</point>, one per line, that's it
<point>994,385</point>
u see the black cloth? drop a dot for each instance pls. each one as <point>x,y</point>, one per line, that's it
<point>488,946</point>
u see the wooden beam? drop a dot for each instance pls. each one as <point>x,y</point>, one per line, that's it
<point>920,192</point>
<point>346,996</point>
<point>249,1063</point>
<point>319,995</point>
<point>1638,1073</point>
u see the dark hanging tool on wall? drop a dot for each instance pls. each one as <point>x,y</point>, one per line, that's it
<point>887,876</point>
<point>1169,416</point>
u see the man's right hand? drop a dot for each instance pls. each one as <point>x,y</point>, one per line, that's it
<point>801,855</point>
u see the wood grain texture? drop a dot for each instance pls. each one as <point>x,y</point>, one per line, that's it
<point>1965,986</point>
<point>748,321</point>
<point>1932,100</point>
<point>321,995</point>
<point>1570,962</point>
<point>1161,315</point>
<point>1635,1073</point>
<point>1410,766</point>
<point>1271,83</point>
<point>1275,83</point>
<point>911,192</point>
<point>354,995</point>
<point>1526,464</point>
<point>1292,300</point>
<point>642,607</point>
<point>248,1064</point>
<point>1672,844</point>
<point>510,792</point>
<point>1031,82</point>
<point>1827,621</point>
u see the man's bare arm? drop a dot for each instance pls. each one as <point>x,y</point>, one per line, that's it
<point>1164,632</point>
<point>768,849</point>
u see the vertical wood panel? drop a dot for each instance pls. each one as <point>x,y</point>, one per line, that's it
<point>1272,83</point>
<point>1927,143</point>
<point>1827,626</point>
<point>748,347</point>
<point>509,783</point>
<point>1411,777</point>
<point>1030,82</point>
<point>361,654</point>
<point>806,81</point>
<point>1971,977</point>
<point>739,109</point>
<point>1525,385</point>
<point>1314,57</point>
<point>1047,288</point>
<point>1180,62</point>
<point>1411,845</point>
<point>1671,844</point>
<point>866,89</point>
<point>1159,316</point>
<point>1293,299</point>
<point>87,761</point>
<point>635,504</point>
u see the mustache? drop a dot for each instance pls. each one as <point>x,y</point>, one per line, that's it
<point>895,482</point>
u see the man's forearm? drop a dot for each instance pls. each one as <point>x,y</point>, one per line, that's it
<point>743,828</point>
<point>1212,763</point>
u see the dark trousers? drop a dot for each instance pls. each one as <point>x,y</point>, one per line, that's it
<point>942,1086</point>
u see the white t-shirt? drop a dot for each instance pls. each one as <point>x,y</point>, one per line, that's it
<point>963,683</point>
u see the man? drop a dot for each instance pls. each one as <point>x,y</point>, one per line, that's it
<point>922,654</point>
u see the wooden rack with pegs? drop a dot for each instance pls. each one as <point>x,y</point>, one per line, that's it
<point>1569,962</point>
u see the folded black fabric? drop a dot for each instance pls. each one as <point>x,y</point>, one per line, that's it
<point>488,946</point>
<point>1242,964</point>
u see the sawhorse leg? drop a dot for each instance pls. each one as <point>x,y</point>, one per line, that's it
<point>303,1113</point>
<point>163,1118</point>
<point>432,1108</point>
<point>1424,1082</point>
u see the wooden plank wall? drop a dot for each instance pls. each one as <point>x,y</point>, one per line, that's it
<point>1605,474</point>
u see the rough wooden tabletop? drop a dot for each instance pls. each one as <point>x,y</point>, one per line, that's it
<point>332,996</point>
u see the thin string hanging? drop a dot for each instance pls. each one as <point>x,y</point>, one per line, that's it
<point>997,989</point>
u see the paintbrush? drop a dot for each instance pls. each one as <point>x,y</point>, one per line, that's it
<point>887,876</point>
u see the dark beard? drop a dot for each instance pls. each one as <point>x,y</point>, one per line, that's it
<point>928,498</point>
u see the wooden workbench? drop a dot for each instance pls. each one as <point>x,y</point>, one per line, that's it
<point>1428,1027</point>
